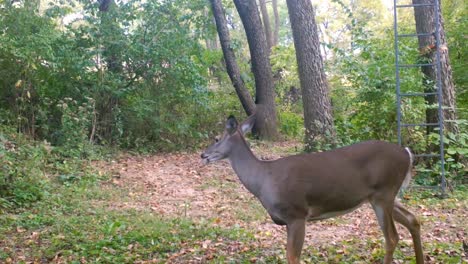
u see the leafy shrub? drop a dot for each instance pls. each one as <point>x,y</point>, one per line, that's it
<point>22,177</point>
<point>76,121</point>
<point>291,124</point>
<point>153,99</point>
<point>456,158</point>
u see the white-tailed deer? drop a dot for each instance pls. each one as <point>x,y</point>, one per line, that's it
<point>308,187</point>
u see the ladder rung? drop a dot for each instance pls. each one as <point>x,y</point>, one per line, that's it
<point>427,155</point>
<point>415,5</point>
<point>415,65</point>
<point>417,94</point>
<point>429,187</point>
<point>422,124</point>
<point>415,35</point>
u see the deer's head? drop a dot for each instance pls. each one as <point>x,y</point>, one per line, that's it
<point>233,134</point>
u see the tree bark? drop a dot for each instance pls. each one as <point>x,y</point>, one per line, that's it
<point>425,23</point>
<point>318,119</point>
<point>108,102</point>
<point>277,22</point>
<point>266,24</point>
<point>230,59</point>
<point>266,123</point>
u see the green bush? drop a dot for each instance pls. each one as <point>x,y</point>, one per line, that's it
<point>456,159</point>
<point>75,123</point>
<point>22,177</point>
<point>145,94</point>
<point>291,124</point>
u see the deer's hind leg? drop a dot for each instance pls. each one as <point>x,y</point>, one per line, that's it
<point>384,212</point>
<point>407,219</point>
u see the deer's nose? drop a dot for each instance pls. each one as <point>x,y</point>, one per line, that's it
<point>203,155</point>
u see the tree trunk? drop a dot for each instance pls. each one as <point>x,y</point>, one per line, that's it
<point>230,59</point>
<point>277,22</point>
<point>108,101</point>
<point>266,24</point>
<point>266,123</point>
<point>318,119</point>
<point>425,23</point>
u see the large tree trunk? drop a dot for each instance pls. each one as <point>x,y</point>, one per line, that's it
<point>108,102</point>
<point>266,24</point>
<point>318,119</point>
<point>229,56</point>
<point>425,23</point>
<point>277,22</point>
<point>266,123</point>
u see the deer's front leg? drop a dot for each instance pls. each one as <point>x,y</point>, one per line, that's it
<point>296,232</point>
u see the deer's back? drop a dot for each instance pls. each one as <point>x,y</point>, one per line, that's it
<point>318,181</point>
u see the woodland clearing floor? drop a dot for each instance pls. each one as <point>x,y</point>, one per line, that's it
<point>179,185</point>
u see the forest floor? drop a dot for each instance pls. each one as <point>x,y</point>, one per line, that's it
<point>170,208</point>
<point>179,185</point>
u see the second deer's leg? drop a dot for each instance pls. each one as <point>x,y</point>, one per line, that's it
<point>296,233</point>
<point>407,219</point>
<point>384,212</point>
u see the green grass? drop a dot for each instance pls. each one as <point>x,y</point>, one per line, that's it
<point>72,224</point>
<point>76,223</point>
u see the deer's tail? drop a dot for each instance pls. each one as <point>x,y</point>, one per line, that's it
<point>408,177</point>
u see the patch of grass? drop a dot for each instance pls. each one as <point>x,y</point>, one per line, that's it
<point>219,183</point>
<point>372,251</point>
<point>430,197</point>
<point>71,226</point>
<point>251,211</point>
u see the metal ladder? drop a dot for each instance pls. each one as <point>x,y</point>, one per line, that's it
<point>438,83</point>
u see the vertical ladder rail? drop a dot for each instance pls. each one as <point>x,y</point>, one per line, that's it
<point>438,81</point>
<point>443,181</point>
<point>397,70</point>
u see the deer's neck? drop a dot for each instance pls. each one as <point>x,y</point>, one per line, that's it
<point>248,168</point>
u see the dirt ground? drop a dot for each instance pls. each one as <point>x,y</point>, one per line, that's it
<point>179,185</point>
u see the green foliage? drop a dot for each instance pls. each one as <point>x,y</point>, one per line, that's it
<point>146,78</point>
<point>456,22</point>
<point>456,158</point>
<point>363,93</point>
<point>73,133</point>
<point>22,176</point>
<point>284,66</point>
<point>287,88</point>
<point>364,90</point>
<point>28,167</point>
<point>291,124</point>
<point>456,155</point>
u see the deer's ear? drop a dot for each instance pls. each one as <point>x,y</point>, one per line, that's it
<point>248,124</point>
<point>231,125</point>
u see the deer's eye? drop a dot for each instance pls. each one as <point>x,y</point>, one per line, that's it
<point>216,139</point>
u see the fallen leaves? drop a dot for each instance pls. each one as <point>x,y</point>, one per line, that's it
<point>178,185</point>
